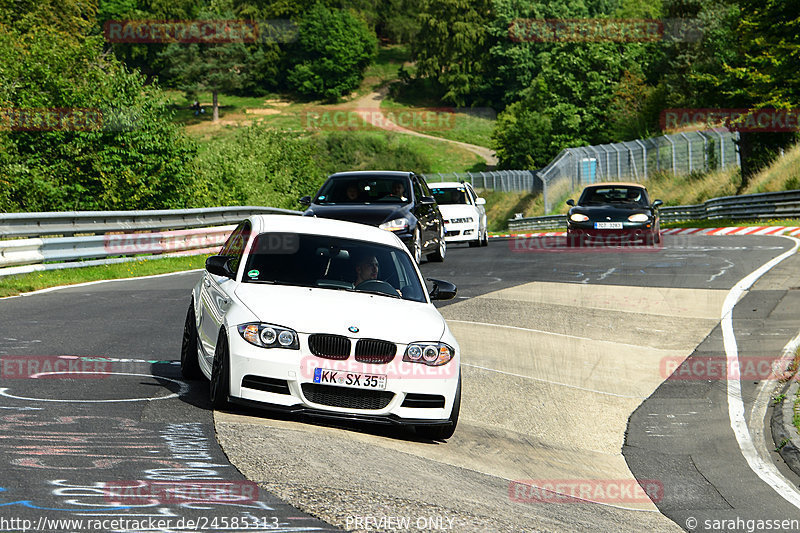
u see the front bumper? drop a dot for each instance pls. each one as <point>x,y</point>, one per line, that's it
<point>462,232</point>
<point>290,378</point>
<point>630,232</point>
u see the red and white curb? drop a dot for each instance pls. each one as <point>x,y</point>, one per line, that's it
<point>732,230</point>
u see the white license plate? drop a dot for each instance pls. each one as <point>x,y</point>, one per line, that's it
<point>608,225</point>
<point>354,380</point>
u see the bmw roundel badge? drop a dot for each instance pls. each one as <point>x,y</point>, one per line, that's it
<point>352,329</point>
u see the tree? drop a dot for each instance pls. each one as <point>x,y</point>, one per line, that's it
<point>215,67</point>
<point>451,47</point>
<point>129,155</point>
<point>332,50</point>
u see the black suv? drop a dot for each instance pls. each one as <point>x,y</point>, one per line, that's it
<point>400,202</point>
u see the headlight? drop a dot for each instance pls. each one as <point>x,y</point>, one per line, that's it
<point>429,353</point>
<point>398,224</point>
<point>269,336</point>
<point>639,217</point>
<point>578,217</point>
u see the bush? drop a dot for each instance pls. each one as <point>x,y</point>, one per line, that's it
<point>258,166</point>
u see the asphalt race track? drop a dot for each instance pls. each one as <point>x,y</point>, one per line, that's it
<point>581,411</point>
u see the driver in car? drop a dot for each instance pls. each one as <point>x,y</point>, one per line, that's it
<point>366,269</point>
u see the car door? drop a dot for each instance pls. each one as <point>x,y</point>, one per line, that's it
<point>216,292</point>
<point>481,211</point>
<point>427,214</point>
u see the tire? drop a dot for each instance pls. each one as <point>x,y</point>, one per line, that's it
<point>190,368</point>
<point>441,249</point>
<point>485,240</point>
<point>475,243</point>
<point>416,246</point>
<point>220,385</point>
<point>444,431</point>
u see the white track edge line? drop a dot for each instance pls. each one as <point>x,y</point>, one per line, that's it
<point>765,470</point>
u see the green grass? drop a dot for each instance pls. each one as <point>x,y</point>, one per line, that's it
<point>473,126</point>
<point>13,285</point>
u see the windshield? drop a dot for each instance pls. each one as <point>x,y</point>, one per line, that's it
<point>333,263</point>
<point>450,195</point>
<point>613,195</point>
<point>364,190</point>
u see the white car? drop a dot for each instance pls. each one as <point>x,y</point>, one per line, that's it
<point>324,317</point>
<point>463,213</point>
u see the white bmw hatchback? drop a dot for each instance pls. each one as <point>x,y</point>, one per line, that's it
<point>327,318</point>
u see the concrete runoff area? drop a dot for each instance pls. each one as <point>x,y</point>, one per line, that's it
<point>551,374</point>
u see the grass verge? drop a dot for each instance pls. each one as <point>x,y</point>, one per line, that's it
<point>13,285</point>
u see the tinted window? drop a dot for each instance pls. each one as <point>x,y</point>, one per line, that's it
<point>613,195</point>
<point>363,189</point>
<point>450,195</point>
<point>330,263</point>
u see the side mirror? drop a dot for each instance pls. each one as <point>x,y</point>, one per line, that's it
<point>219,265</point>
<point>480,201</point>
<point>305,200</point>
<point>442,290</point>
<point>571,202</point>
<point>427,200</point>
<point>657,203</point>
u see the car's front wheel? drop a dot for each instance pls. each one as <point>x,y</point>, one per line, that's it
<point>445,431</point>
<point>189,365</point>
<point>416,246</point>
<point>485,240</point>
<point>220,386</point>
<point>441,249</point>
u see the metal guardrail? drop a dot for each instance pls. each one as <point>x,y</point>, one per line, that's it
<point>785,204</point>
<point>115,236</point>
<point>99,222</point>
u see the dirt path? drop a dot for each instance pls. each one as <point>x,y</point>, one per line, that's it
<point>369,109</point>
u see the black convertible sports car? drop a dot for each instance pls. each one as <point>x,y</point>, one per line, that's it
<point>613,213</point>
<point>400,202</point>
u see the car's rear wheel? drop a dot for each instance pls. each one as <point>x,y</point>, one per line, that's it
<point>220,386</point>
<point>190,368</point>
<point>441,248</point>
<point>444,431</point>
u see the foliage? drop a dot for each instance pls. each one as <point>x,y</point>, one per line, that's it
<point>133,157</point>
<point>258,166</point>
<point>332,50</point>
<point>451,46</point>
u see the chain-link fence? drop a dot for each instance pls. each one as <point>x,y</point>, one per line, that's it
<point>676,154</point>
<point>497,180</point>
